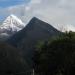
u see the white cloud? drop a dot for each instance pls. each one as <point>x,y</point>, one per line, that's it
<point>54,11</point>
<point>51,11</point>
<point>27,8</point>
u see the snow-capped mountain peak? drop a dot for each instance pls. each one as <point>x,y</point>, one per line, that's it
<point>16,18</point>
<point>12,23</point>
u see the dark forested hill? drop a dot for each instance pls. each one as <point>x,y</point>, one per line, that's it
<point>56,57</point>
<point>35,31</point>
<point>11,61</point>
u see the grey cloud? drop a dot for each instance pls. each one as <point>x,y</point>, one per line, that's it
<point>52,11</point>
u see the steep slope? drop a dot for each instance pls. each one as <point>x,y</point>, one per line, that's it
<point>27,38</point>
<point>11,25</point>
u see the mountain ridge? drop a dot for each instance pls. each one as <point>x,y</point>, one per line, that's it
<point>32,23</point>
<point>27,38</point>
<point>11,22</point>
<point>11,25</point>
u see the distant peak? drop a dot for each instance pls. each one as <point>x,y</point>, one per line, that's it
<point>12,23</point>
<point>35,18</point>
<point>16,18</point>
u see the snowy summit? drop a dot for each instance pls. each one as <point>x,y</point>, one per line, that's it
<point>12,23</point>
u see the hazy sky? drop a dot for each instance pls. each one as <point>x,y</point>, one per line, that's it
<point>52,11</point>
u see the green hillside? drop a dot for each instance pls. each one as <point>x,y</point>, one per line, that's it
<point>56,57</point>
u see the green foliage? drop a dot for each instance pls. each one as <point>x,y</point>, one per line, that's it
<point>56,57</point>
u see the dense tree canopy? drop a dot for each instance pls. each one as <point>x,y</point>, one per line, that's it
<point>56,57</point>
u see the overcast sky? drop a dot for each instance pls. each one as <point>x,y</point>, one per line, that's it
<point>52,11</point>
